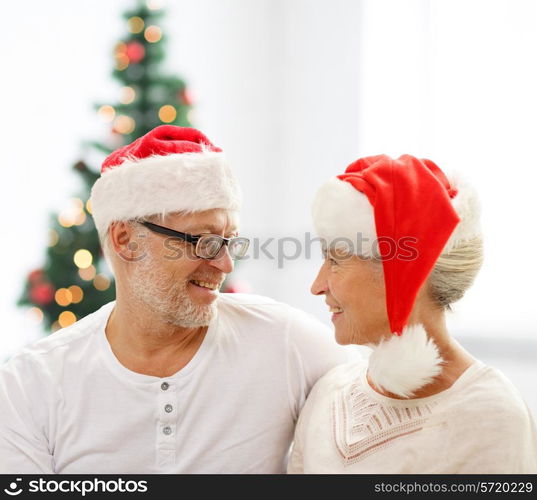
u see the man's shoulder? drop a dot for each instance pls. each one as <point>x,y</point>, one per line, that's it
<point>258,306</point>
<point>263,315</point>
<point>68,337</point>
<point>247,300</point>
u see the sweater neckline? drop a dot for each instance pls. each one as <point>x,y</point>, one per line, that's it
<point>465,378</point>
<point>125,373</point>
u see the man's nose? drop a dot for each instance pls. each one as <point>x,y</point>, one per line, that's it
<point>319,286</point>
<point>223,262</point>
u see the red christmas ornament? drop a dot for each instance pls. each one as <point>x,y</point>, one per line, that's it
<point>35,276</point>
<point>42,294</point>
<point>135,52</point>
<point>186,97</point>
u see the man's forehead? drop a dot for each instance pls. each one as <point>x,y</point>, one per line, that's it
<point>213,221</point>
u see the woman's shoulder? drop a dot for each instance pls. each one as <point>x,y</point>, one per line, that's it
<point>489,387</point>
<point>490,399</point>
<point>489,422</point>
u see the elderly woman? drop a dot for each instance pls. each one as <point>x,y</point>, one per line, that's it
<point>401,244</point>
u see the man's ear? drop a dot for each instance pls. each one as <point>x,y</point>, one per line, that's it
<point>124,241</point>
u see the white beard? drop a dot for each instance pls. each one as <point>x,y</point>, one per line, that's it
<point>168,298</point>
<point>403,364</point>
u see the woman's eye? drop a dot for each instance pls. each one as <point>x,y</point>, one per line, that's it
<point>332,261</point>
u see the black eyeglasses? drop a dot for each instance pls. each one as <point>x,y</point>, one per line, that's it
<point>206,246</point>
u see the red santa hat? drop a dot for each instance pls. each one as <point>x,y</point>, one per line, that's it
<point>170,169</point>
<point>383,206</point>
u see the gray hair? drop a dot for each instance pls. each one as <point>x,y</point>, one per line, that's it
<point>455,271</point>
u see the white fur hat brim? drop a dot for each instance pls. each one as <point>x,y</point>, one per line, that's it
<point>185,182</point>
<point>342,214</point>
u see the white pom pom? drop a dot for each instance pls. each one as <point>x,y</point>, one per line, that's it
<point>403,364</point>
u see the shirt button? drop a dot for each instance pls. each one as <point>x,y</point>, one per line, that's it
<point>168,408</point>
<point>167,430</point>
<point>164,386</point>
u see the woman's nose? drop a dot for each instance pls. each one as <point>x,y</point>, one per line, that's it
<point>319,286</point>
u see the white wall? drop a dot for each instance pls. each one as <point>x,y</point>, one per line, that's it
<point>56,61</point>
<point>278,86</point>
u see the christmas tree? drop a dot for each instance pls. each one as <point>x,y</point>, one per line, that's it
<point>74,280</point>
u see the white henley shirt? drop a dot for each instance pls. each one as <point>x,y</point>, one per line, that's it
<point>67,405</point>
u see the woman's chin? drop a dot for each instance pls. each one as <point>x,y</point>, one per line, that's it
<point>342,337</point>
<point>345,337</point>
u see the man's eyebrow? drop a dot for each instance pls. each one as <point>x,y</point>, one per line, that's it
<point>210,228</point>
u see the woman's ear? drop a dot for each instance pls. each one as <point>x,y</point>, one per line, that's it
<point>424,304</point>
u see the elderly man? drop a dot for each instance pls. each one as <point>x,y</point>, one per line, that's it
<point>172,377</point>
